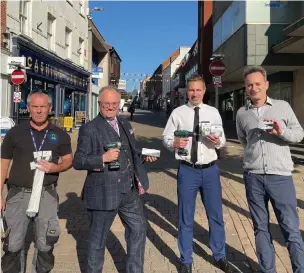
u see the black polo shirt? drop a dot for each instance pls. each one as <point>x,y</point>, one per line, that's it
<point>18,146</point>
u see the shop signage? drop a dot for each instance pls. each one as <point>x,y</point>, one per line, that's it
<point>40,65</point>
<point>97,73</point>
<point>14,62</point>
<point>79,115</point>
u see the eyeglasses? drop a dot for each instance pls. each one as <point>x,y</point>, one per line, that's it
<point>108,104</point>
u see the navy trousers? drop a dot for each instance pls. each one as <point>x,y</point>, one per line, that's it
<point>132,215</point>
<point>207,181</point>
<point>280,191</point>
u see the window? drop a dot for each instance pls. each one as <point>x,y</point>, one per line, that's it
<point>68,42</point>
<point>80,51</point>
<point>51,32</point>
<point>81,7</point>
<point>24,17</point>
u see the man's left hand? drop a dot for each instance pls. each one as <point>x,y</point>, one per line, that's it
<point>150,158</point>
<point>47,167</point>
<point>214,139</point>
<point>277,128</point>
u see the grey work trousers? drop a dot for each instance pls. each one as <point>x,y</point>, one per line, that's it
<point>47,230</point>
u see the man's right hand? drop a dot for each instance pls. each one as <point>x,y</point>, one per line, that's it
<point>111,155</point>
<point>180,143</point>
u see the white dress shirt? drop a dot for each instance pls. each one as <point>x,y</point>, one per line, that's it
<point>182,118</point>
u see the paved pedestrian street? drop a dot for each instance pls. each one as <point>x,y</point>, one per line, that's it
<point>161,210</point>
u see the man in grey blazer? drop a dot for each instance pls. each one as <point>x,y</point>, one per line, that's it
<point>108,191</point>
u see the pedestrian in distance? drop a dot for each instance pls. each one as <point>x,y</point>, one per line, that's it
<point>22,147</point>
<point>131,110</point>
<point>265,128</point>
<point>197,171</point>
<point>115,177</point>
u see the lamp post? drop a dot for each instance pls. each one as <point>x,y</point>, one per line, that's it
<point>93,9</point>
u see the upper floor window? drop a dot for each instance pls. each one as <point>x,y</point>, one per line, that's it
<point>51,32</point>
<point>81,7</point>
<point>24,17</point>
<point>68,42</point>
<point>81,51</point>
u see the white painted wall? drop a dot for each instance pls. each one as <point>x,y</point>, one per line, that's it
<point>67,13</point>
<point>105,65</point>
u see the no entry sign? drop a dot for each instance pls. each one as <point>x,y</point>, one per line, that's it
<point>217,68</point>
<point>17,77</point>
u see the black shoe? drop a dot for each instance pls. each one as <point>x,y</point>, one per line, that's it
<point>225,266</point>
<point>186,268</point>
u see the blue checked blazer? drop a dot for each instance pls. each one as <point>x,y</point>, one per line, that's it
<point>101,189</point>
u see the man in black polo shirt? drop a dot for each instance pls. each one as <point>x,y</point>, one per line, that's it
<point>21,144</point>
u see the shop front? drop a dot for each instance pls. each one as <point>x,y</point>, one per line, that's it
<point>66,83</point>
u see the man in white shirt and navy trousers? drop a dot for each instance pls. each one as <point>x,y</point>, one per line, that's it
<point>197,172</point>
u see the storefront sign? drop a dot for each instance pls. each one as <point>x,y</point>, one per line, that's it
<point>14,62</point>
<point>79,115</point>
<point>43,66</point>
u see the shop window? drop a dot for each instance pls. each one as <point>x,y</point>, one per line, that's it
<point>68,42</point>
<point>51,32</point>
<point>24,17</point>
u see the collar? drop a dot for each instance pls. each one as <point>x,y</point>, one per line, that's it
<point>50,126</point>
<point>193,106</point>
<point>250,105</point>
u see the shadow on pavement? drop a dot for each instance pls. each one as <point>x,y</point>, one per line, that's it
<point>168,210</point>
<point>78,224</point>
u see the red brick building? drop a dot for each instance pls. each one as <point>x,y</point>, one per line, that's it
<point>205,41</point>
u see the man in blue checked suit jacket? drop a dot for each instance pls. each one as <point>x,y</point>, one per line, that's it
<point>108,192</point>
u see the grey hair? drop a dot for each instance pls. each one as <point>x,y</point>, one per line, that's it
<point>254,69</point>
<point>40,92</point>
<point>108,87</point>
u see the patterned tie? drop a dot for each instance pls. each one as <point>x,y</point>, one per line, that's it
<point>114,124</point>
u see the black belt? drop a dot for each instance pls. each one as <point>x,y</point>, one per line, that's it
<point>29,190</point>
<point>197,166</point>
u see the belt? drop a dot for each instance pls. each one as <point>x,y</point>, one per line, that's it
<point>29,190</point>
<point>196,166</point>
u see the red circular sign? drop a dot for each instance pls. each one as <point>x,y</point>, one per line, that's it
<point>17,77</point>
<point>217,68</point>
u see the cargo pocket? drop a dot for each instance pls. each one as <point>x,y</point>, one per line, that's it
<point>53,232</point>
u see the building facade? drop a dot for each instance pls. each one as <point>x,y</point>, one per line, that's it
<point>5,53</point>
<point>54,42</point>
<point>187,67</point>
<point>270,34</point>
<point>169,67</point>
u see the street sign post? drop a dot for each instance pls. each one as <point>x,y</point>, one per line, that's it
<point>17,78</point>
<point>217,68</point>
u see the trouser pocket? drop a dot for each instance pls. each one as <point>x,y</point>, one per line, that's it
<point>53,232</point>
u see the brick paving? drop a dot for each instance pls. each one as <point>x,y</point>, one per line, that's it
<point>161,210</point>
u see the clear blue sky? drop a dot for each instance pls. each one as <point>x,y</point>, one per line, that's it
<point>146,33</point>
